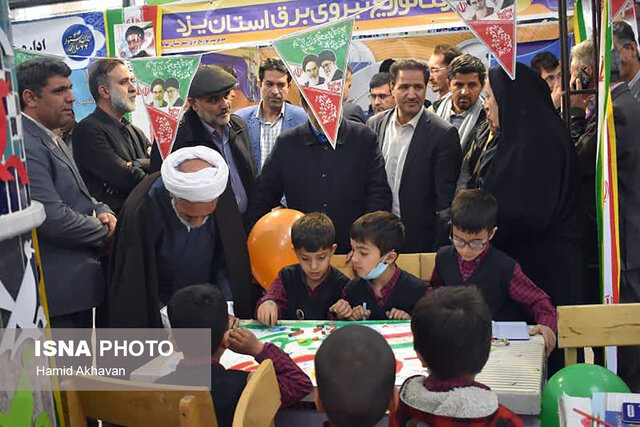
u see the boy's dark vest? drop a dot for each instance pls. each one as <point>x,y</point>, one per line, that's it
<point>316,306</point>
<point>407,291</point>
<point>492,277</point>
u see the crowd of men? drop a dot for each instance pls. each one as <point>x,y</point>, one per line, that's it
<point>122,237</point>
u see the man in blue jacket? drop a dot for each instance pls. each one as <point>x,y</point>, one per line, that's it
<point>273,114</point>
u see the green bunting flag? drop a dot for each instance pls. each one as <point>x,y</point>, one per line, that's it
<point>317,60</point>
<point>163,83</point>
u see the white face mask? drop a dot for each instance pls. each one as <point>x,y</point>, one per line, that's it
<point>182,220</point>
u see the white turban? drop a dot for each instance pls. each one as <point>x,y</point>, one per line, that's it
<point>204,185</point>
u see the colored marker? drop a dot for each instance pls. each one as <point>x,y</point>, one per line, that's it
<point>318,328</point>
<point>294,333</point>
<point>364,311</point>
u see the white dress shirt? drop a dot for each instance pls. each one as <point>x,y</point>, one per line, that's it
<point>395,146</point>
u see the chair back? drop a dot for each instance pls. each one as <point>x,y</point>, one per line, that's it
<point>136,404</point>
<point>260,399</point>
<point>597,326</point>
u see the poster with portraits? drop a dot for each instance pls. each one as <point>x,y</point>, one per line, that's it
<point>163,83</point>
<point>317,60</point>
<point>134,40</point>
<point>494,23</point>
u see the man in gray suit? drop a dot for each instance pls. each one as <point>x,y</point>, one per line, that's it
<point>77,228</point>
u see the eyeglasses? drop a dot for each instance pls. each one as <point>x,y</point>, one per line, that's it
<point>475,245</point>
<point>437,70</point>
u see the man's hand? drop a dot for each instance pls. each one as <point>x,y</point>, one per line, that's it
<point>243,341</point>
<point>556,95</point>
<point>268,313</point>
<point>579,100</point>
<point>395,314</point>
<point>548,335</point>
<point>341,309</point>
<point>110,220</point>
<point>358,313</point>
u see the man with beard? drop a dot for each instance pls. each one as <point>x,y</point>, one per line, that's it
<point>174,232</point>
<point>157,93</point>
<point>311,68</point>
<point>209,122</point>
<point>327,60</point>
<point>172,87</point>
<point>273,115</point>
<point>462,106</point>
<point>110,152</point>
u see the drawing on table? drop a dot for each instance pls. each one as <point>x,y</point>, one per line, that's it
<point>302,346</point>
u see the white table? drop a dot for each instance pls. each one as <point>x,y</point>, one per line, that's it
<point>515,372</point>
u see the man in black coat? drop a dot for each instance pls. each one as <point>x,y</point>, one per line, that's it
<point>422,157</point>
<point>209,122</point>
<point>345,182</point>
<point>109,151</point>
<point>626,111</point>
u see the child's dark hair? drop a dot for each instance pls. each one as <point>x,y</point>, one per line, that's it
<point>451,329</point>
<point>473,211</point>
<point>355,371</point>
<point>383,229</point>
<point>313,232</point>
<point>199,306</point>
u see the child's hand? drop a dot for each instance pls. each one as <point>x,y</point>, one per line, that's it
<point>548,335</point>
<point>341,308</point>
<point>233,322</point>
<point>395,314</point>
<point>268,313</point>
<point>243,341</point>
<point>358,313</point>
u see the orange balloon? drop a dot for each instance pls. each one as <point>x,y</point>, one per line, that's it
<point>270,247</point>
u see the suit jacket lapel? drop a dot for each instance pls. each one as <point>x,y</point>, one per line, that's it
<point>57,150</point>
<point>384,122</point>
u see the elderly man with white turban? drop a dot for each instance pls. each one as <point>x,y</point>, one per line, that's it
<point>176,229</point>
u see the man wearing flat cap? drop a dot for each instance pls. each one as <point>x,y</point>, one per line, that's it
<point>174,231</point>
<point>209,122</point>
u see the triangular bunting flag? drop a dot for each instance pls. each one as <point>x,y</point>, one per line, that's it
<point>617,7</point>
<point>164,84</point>
<point>494,23</point>
<point>317,60</point>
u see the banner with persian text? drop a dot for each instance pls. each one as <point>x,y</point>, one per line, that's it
<point>229,24</point>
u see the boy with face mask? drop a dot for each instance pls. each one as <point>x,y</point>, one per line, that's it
<point>381,289</point>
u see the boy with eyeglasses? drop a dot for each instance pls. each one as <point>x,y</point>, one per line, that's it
<point>471,259</point>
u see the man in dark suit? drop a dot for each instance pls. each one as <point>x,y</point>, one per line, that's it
<point>422,157</point>
<point>77,227</point>
<point>110,152</point>
<point>350,110</point>
<point>626,111</point>
<point>344,182</point>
